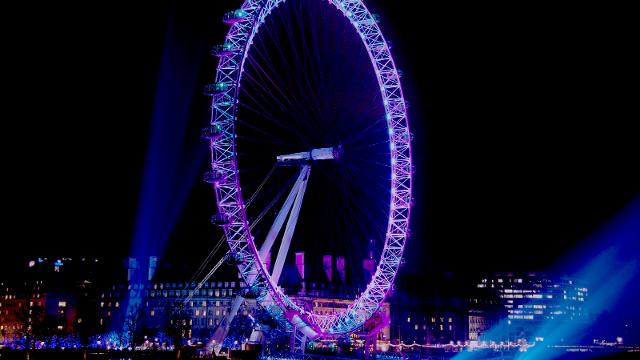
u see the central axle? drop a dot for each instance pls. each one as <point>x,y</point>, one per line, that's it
<point>300,158</point>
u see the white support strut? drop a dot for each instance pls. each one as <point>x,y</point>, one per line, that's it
<point>294,199</point>
<point>221,332</point>
<point>291,225</point>
<point>280,218</point>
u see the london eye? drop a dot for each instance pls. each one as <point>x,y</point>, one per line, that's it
<point>310,152</point>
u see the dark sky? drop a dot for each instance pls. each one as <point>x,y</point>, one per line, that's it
<point>523,118</point>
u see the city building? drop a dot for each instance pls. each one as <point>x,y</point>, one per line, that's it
<point>53,296</point>
<point>11,311</point>
<point>88,297</point>
<point>435,312</point>
<point>530,299</point>
<point>428,320</point>
<point>154,307</point>
<point>85,297</point>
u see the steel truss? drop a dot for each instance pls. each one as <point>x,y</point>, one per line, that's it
<point>244,26</point>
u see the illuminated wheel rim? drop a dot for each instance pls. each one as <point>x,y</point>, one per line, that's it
<point>245,23</point>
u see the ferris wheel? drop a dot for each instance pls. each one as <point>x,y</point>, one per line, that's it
<point>319,141</point>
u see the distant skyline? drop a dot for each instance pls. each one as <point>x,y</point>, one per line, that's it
<point>523,124</point>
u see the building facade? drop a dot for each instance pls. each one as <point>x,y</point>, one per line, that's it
<point>78,296</point>
<point>529,300</point>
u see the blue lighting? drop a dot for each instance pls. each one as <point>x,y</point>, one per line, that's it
<point>609,262</point>
<point>173,155</point>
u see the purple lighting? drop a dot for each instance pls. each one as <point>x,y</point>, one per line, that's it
<point>245,24</point>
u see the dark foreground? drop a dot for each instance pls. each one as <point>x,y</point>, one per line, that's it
<point>89,355</point>
<point>6,354</point>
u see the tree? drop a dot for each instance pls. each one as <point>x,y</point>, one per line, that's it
<point>37,325</point>
<point>132,324</point>
<point>178,327</point>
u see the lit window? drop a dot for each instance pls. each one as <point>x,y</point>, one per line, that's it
<point>117,304</point>
<point>152,313</point>
<point>415,327</point>
<point>408,319</point>
<point>61,304</point>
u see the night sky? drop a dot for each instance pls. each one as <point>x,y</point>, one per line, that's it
<point>523,120</point>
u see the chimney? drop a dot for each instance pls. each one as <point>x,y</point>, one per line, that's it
<point>131,268</point>
<point>300,266</point>
<point>326,266</point>
<point>153,265</point>
<point>369,264</point>
<point>300,263</point>
<point>340,268</point>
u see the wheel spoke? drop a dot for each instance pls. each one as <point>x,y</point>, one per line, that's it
<point>293,99</point>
